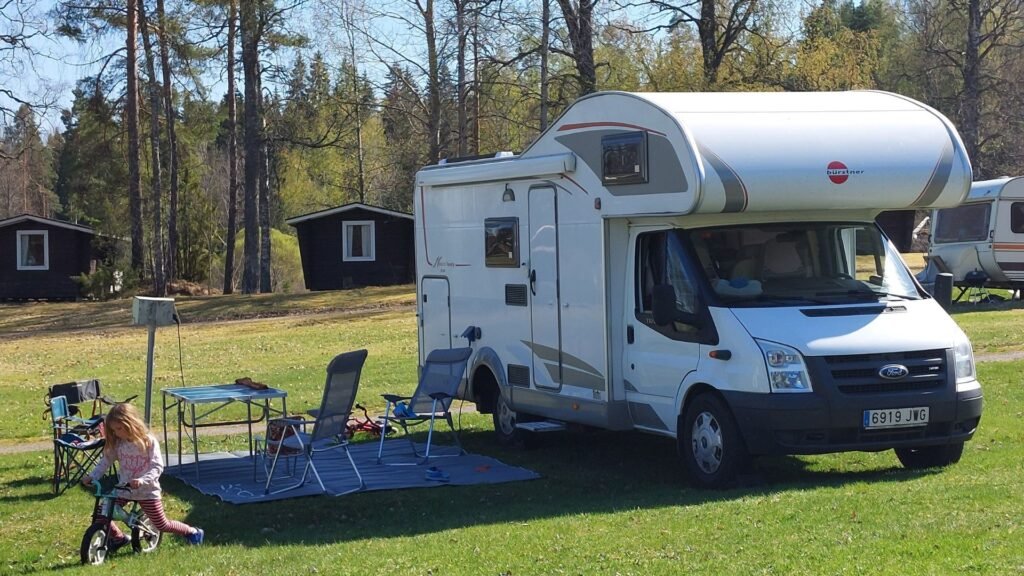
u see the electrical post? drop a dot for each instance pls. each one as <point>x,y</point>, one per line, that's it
<point>152,312</point>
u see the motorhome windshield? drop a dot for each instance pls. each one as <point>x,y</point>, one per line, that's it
<point>805,263</point>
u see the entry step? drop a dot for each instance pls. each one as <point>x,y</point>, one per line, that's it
<point>541,426</point>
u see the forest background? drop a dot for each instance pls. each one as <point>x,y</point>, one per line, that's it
<point>204,124</point>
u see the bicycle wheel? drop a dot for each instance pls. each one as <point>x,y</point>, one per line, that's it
<point>94,544</point>
<point>145,537</point>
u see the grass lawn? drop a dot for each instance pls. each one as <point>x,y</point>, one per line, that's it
<point>607,503</point>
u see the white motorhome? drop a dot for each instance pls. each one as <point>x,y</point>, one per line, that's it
<point>705,267</point>
<point>982,240</point>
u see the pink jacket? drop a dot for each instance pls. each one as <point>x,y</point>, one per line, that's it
<point>134,463</point>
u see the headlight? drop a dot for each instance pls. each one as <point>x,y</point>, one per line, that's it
<point>786,369</point>
<point>963,358</point>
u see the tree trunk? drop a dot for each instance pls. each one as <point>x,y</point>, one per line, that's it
<point>265,285</point>
<point>172,144</point>
<point>460,82</point>
<point>159,284</point>
<point>358,100</point>
<point>972,78</point>
<point>132,113</point>
<point>433,84</point>
<point>545,39</point>
<point>229,257</point>
<point>253,137</point>
<point>580,24</point>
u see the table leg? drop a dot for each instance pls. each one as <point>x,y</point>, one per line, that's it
<point>195,441</point>
<point>248,422</point>
<point>163,422</point>
<point>181,418</point>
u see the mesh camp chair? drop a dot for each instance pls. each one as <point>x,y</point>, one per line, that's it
<point>439,383</point>
<point>77,444</point>
<point>329,428</point>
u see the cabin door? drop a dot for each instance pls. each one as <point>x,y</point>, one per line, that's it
<point>544,289</point>
<point>1008,240</point>
<point>435,315</point>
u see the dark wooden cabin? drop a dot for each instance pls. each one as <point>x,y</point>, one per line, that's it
<point>355,245</point>
<point>39,257</point>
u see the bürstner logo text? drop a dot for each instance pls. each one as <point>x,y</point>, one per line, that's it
<point>838,173</point>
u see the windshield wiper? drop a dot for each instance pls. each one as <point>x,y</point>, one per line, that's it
<point>867,294</point>
<point>786,298</point>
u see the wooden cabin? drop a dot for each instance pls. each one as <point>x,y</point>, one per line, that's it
<point>39,257</point>
<point>355,245</point>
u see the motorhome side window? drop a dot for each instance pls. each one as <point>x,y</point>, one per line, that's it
<point>967,223</point>
<point>1017,217</point>
<point>501,242</point>
<point>624,158</point>
<point>660,262</point>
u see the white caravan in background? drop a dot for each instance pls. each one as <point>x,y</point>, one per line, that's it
<point>705,267</point>
<point>982,240</point>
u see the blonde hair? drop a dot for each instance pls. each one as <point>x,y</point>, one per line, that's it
<point>128,417</point>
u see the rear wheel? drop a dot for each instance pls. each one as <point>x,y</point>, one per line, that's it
<point>94,544</point>
<point>145,537</point>
<point>710,442</point>
<point>930,456</point>
<point>505,419</point>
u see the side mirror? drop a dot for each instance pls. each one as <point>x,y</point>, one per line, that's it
<point>663,304</point>
<point>664,310</point>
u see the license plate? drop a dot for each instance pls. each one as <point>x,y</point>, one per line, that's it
<point>895,417</point>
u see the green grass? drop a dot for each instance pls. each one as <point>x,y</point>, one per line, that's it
<point>608,503</point>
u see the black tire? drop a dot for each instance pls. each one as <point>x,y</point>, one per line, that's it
<point>930,456</point>
<point>94,545</point>
<point>505,420</point>
<point>710,443</point>
<point>145,537</point>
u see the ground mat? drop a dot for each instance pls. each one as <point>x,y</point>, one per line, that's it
<point>239,478</point>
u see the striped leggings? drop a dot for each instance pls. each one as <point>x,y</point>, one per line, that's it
<point>154,510</point>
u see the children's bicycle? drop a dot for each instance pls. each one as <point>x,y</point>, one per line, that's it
<point>96,543</point>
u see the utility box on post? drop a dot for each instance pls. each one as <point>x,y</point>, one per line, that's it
<point>152,312</point>
<point>148,311</point>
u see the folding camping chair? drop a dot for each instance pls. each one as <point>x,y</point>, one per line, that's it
<point>438,386</point>
<point>287,436</point>
<point>77,444</point>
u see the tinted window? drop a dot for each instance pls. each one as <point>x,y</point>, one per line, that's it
<point>967,223</point>
<point>1017,217</point>
<point>501,242</point>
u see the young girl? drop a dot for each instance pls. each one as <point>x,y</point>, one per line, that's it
<point>137,452</point>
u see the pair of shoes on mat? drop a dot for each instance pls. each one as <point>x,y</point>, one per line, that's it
<point>436,474</point>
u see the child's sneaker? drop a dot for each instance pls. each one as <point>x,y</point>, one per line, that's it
<point>116,544</point>
<point>196,538</point>
<point>436,474</point>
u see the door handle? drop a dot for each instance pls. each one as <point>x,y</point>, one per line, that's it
<point>533,282</point>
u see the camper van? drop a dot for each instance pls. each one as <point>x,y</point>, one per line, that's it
<point>981,242</point>
<point>705,267</point>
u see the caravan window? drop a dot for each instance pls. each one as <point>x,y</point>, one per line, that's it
<point>1017,217</point>
<point>501,242</point>
<point>967,223</point>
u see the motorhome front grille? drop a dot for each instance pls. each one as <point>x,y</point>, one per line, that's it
<point>861,373</point>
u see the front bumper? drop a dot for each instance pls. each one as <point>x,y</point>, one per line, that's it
<point>827,421</point>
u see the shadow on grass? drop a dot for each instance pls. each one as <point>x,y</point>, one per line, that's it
<point>592,473</point>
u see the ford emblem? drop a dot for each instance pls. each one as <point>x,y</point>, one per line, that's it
<point>893,371</point>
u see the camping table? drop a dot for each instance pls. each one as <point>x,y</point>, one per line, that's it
<point>214,398</point>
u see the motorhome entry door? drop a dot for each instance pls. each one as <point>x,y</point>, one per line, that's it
<point>544,288</point>
<point>435,314</point>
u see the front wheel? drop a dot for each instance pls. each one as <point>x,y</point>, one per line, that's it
<point>930,456</point>
<point>710,443</point>
<point>145,537</point>
<point>94,545</point>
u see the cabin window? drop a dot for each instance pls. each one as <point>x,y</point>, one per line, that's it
<point>624,158</point>
<point>33,250</point>
<point>501,242</point>
<point>1017,217</point>
<point>358,241</point>
<point>967,223</point>
<point>660,257</point>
